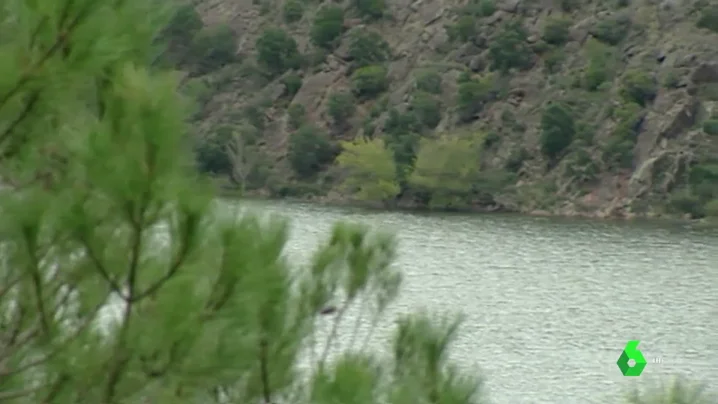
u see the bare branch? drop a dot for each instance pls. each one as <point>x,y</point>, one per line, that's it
<point>243,158</point>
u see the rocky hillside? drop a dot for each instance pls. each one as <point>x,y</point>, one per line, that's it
<point>575,107</point>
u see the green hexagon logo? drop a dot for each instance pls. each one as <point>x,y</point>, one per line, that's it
<point>631,352</point>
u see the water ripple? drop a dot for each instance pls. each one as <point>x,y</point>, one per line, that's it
<point>551,303</point>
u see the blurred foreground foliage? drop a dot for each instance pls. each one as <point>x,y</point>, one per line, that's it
<point>120,280</point>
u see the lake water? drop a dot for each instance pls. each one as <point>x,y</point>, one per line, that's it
<point>550,303</point>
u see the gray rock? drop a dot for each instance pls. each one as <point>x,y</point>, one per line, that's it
<point>510,6</point>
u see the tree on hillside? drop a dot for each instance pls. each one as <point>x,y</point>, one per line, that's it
<point>122,283</point>
<point>243,157</point>
<point>371,172</point>
<point>447,168</point>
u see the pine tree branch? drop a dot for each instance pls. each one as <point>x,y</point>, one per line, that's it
<point>76,333</point>
<point>335,329</point>
<point>56,388</point>
<point>174,267</point>
<point>264,369</point>
<point>136,213</point>
<point>60,41</point>
<point>8,286</point>
<point>15,394</point>
<point>29,105</point>
<point>37,283</point>
<point>100,267</point>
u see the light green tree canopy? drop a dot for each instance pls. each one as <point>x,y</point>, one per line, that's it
<point>371,170</point>
<point>447,166</point>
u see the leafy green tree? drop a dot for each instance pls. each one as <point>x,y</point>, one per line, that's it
<point>277,51</point>
<point>370,9</point>
<point>447,167</point>
<point>557,130</point>
<point>370,81</point>
<point>427,108</point>
<point>613,29</point>
<point>367,48</point>
<point>472,96</point>
<point>341,106</point>
<point>371,173</point>
<point>464,30</point>
<point>297,116</point>
<point>293,11</point>
<point>639,87</point>
<point>601,64</point>
<point>556,30</point>
<point>328,26</point>
<point>510,50</point>
<point>309,150</point>
<point>212,48</point>
<point>710,126</point>
<point>429,81</point>
<point>211,154</point>
<point>292,84</point>
<point>708,18</point>
<point>105,210</point>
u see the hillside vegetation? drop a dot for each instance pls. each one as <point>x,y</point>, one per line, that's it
<point>598,108</point>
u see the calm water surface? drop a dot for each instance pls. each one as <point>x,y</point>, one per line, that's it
<point>551,303</point>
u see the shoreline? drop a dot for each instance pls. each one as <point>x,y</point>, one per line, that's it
<point>595,215</point>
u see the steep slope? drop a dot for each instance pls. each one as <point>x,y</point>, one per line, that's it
<point>601,108</point>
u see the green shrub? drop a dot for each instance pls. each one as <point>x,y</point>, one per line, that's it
<point>553,60</point>
<point>487,8</point>
<point>429,81</point>
<point>292,84</point>
<point>370,9</point>
<point>214,47</point>
<point>277,51</point>
<point>569,5</point>
<point>370,81</point>
<point>184,25</point>
<point>328,26</point>
<point>472,96</point>
<point>557,130</point>
<point>293,11</point>
<point>297,116</point>
<point>211,155</point>
<point>463,30</point>
<point>601,65</point>
<point>367,48</point>
<point>684,202</point>
<point>556,30</point>
<point>710,127</point>
<point>639,87</point>
<point>398,123</point>
<point>612,30</point>
<point>340,107</point>
<point>309,150</point>
<point>711,208</point>
<point>510,49</point>
<point>709,18</point>
<point>427,109</point>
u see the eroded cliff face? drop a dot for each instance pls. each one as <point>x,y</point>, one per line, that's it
<point>640,80</point>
